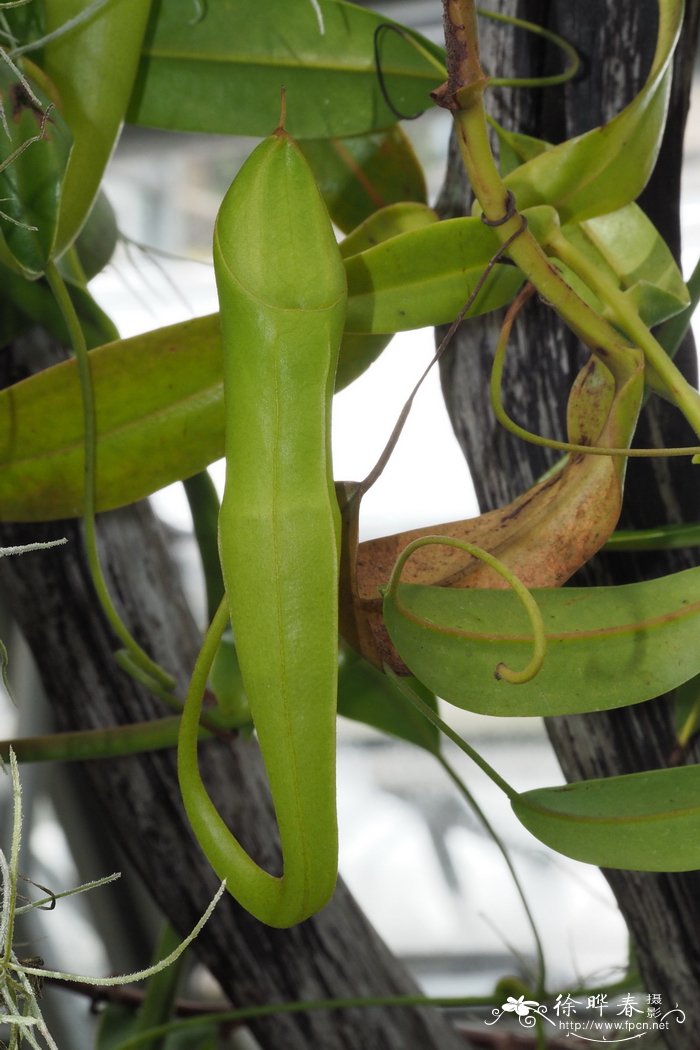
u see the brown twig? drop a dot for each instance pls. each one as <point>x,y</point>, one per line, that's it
<point>462,43</point>
<point>126,995</point>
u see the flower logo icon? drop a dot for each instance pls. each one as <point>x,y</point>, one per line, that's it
<point>526,1010</point>
<point>520,1006</point>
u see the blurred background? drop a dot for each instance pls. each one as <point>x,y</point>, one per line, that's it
<point>418,860</point>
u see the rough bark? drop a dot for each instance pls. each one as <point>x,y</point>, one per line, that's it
<point>616,41</point>
<point>333,955</point>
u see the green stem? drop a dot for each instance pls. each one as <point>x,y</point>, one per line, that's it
<point>509,424</point>
<point>77,339</point>
<point>124,659</point>
<point>212,721</point>
<point>663,538</point>
<point>249,1013</point>
<point>404,687</point>
<point>464,95</point>
<point>491,831</point>
<point>573,62</point>
<point>113,742</point>
<point>675,385</point>
<point>204,506</point>
<point>524,250</point>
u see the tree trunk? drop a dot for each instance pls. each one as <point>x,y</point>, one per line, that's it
<point>616,40</point>
<point>337,953</point>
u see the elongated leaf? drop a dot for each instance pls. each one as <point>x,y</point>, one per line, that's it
<point>641,822</point>
<point>607,647</point>
<point>515,149</point>
<point>223,71</point>
<point>360,350</point>
<point>627,246</point>
<point>158,399</point>
<point>608,167</point>
<point>93,68</point>
<point>385,224</point>
<point>624,244</point>
<point>662,538</point>
<point>366,695</point>
<point>359,175</point>
<point>425,277</point>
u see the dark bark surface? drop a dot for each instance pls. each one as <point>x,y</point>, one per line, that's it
<point>616,41</point>
<point>333,955</point>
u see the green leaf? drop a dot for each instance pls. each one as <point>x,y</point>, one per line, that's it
<point>226,681</point>
<point>425,277</point>
<point>30,180</point>
<point>159,405</point>
<point>33,302</point>
<point>161,989</point>
<point>358,352</point>
<point>578,284</point>
<point>386,223</point>
<point>641,822</point>
<point>359,175</point>
<point>26,22</point>
<point>515,149</point>
<point>671,335</point>
<point>607,647</point>
<point>661,538</point>
<point>98,238</point>
<point>160,414</point>
<point>686,711</point>
<point>624,243</point>
<point>223,71</point>
<point>366,695</point>
<point>93,67</point>
<point>117,1025</point>
<point>626,246</point>
<point>608,167</point>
